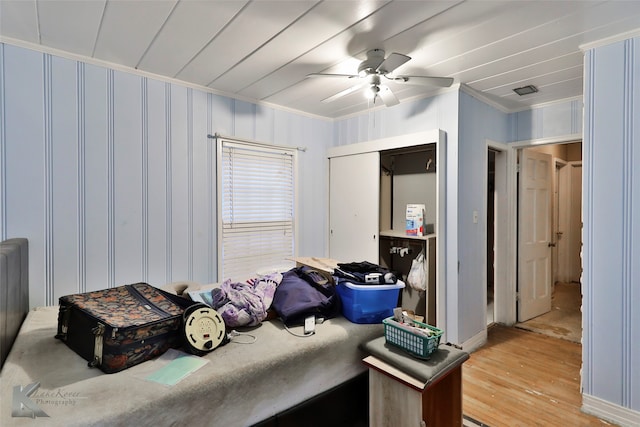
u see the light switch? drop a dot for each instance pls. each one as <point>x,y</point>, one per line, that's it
<point>475,217</point>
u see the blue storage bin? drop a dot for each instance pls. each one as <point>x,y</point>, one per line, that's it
<point>368,303</point>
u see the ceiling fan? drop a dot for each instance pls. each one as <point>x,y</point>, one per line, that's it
<point>373,69</point>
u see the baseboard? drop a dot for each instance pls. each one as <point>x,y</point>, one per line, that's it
<point>475,342</point>
<point>609,411</point>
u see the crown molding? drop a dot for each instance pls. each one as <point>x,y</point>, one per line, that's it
<point>609,40</point>
<point>131,70</point>
<point>481,97</point>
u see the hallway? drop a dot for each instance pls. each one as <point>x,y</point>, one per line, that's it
<point>564,321</point>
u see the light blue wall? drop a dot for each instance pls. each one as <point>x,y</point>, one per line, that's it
<point>438,112</point>
<point>611,214</point>
<point>478,122</point>
<point>111,176</point>
<point>557,119</point>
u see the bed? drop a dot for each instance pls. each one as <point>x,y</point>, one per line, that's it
<point>240,385</point>
<point>14,291</point>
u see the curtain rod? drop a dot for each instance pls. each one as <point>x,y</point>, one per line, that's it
<point>232,138</point>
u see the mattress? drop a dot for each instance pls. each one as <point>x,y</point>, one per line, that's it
<point>240,385</point>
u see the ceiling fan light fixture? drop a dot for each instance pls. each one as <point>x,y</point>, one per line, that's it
<point>375,57</point>
<point>525,90</point>
<point>371,91</point>
<point>376,67</point>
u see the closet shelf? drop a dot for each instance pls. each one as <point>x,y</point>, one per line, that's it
<point>402,234</point>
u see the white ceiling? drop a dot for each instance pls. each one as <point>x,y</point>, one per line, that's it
<point>262,50</point>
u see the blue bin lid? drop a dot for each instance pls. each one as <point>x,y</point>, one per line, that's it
<point>398,285</point>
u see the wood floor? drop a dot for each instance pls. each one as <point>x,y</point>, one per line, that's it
<point>564,320</point>
<point>522,378</point>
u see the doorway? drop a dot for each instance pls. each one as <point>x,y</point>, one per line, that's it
<point>491,214</point>
<point>564,319</point>
<point>500,228</point>
<point>502,234</point>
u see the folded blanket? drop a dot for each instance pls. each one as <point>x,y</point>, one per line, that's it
<point>245,304</point>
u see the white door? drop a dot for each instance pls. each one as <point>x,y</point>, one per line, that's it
<point>534,235</point>
<point>354,194</point>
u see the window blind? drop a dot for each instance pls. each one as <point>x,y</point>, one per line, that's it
<point>256,205</point>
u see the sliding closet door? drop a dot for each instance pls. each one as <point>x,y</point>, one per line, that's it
<point>354,193</point>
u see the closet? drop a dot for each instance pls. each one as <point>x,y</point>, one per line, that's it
<point>370,185</point>
<point>408,176</point>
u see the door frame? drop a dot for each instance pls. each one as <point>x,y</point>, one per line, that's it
<point>505,231</point>
<point>506,273</point>
<point>559,180</point>
<point>565,183</point>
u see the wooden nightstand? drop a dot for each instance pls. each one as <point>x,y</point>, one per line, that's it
<point>409,392</point>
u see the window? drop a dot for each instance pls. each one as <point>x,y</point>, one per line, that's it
<point>256,200</point>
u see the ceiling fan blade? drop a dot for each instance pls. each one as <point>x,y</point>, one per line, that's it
<point>424,80</point>
<point>387,96</point>
<point>343,93</point>
<point>350,76</point>
<point>392,62</point>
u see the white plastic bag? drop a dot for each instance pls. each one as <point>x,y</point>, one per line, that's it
<point>417,277</point>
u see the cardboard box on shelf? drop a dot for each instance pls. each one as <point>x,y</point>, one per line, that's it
<point>415,219</point>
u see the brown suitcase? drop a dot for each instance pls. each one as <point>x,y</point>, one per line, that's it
<point>120,327</point>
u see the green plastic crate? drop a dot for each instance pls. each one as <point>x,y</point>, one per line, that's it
<point>415,344</point>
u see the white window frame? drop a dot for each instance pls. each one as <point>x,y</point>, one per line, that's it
<point>262,262</point>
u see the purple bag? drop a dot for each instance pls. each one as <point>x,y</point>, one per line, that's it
<point>304,292</point>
